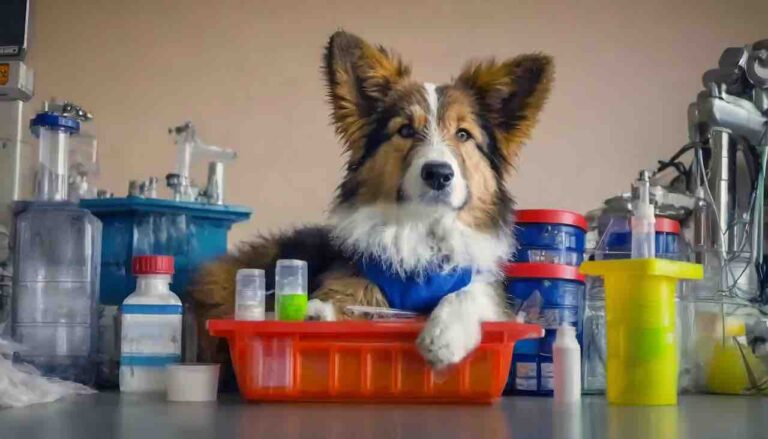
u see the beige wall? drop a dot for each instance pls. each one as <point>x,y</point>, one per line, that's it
<point>248,74</point>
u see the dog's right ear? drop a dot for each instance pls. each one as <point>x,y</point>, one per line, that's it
<point>359,78</point>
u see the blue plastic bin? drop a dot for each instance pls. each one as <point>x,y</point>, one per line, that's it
<point>193,233</point>
<point>560,290</point>
<point>550,236</point>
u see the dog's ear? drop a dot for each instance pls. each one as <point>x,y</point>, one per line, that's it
<point>359,78</point>
<point>510,96</point>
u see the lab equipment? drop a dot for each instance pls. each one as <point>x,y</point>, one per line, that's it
<point>291,289</point>
<point>14,21</point>
<point>83,167</point>
<point>57,258</point>
<point>250,294</point>
<point>642,363</point>
<point>566,360</point>
<point>150,337</point>
<point>192,229</point>
<point>362,361</point>
<point>616,243</point>
<point>643,219</point>
<point>549,295</point>
<point>16,88</point>
<point>715,187</point>
<point>189,145</point>
<point>193,233</point>
<point>550,236</point>
<point>193,382</point>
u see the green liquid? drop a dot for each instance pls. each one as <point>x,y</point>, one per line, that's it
<point>292,307</point>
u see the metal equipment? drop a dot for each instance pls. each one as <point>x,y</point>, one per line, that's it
<point>718,195</point>
<point>16,88</point>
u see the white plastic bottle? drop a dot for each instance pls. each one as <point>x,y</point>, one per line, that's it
<point>150,336</point>
<point>643,221</point>
<point>566,364</point>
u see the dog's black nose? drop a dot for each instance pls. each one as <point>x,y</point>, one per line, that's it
<point>437,175</point>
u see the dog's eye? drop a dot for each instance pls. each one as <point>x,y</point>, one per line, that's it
<point>463,135</point>
<point>406,131</point>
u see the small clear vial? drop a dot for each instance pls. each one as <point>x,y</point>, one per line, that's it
<point>291,289</point>
<point>250,293</point>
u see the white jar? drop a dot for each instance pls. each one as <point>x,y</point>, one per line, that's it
<point>151,318</point>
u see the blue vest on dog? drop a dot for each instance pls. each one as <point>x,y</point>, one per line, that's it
<point>415,292</point>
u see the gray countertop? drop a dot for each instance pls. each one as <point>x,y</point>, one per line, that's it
<point>111,415</point>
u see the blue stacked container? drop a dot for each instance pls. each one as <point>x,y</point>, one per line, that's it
<point>550,236</point>
<point>544,280</point>
<point>559,292</point>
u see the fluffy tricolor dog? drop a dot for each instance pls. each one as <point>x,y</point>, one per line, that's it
<point>423,217</point>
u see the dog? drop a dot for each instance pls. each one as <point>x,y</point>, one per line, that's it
<point>423,216</point>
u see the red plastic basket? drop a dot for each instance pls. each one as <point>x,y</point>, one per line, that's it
<point>374,361</point>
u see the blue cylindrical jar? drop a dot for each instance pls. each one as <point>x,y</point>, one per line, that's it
<point>552,294</point>
<point>550,236</point>
<point>617,240</point>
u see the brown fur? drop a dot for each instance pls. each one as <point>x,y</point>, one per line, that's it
<point>213,291</point>
<point>512,93</point>
<point>343,291</point>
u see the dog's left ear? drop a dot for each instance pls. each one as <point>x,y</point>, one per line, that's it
<point>510,96</point>
<point>360,76</point>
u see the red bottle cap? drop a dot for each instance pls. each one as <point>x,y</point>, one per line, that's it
<point>537,270</point>
<point>667,225</point>
<point>551,216</point>
<point>152,264</point>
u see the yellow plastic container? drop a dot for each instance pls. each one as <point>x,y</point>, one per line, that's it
<point>640,327</point>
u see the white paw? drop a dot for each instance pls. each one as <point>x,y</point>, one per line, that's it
<point>449,334</point>
<point>319,310</point>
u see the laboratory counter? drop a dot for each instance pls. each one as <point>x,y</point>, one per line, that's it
<point>112,415</point>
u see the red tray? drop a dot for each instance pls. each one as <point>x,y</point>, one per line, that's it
<point>373,361</point>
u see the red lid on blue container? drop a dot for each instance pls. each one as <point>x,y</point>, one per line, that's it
<point>551,216</point>
<point>152,264</point>
<point>666,225</point>
<point>543,271</point>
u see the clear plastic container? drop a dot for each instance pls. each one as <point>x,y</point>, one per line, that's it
<point>291,289</point>
<point>250,294</point>
<point>57,255</point>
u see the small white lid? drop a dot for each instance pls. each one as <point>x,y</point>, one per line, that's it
<point>291,263</point>
<point>192,382</point>
<point>250,272</point>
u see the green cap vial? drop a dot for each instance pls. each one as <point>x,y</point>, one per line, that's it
<point>291,289</point>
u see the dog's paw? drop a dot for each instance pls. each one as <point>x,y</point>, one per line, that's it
<point>319,310</point>
<point>448,336</point>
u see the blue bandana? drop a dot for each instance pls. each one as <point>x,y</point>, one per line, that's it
<point>418,293</point>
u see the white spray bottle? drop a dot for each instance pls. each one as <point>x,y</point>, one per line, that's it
<point>643,219</point>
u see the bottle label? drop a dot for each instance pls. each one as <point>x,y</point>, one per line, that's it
<point>150,309</point>
<point>149,360</point>
<point>150,339</point>
<point>526,370</point>
<point>292,307</point>
<point>526,384</point>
